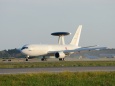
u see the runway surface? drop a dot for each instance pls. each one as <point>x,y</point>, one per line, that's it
<point>54,70</point>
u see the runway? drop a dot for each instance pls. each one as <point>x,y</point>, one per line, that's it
<point>54,70</point>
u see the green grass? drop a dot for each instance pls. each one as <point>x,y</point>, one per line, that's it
<point>55,64</point>
<point>59,79</point>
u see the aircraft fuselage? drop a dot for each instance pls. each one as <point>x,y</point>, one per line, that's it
<point>37,50</point>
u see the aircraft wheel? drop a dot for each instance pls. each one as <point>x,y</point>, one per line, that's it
<point>43,59</point>
<point>61,59</point>
<point>27,59</point>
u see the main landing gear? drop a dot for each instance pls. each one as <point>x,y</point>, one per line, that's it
<point>61,59</point>
<point>43,59</point>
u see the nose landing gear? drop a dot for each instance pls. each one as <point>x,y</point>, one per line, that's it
<point>27,58</point>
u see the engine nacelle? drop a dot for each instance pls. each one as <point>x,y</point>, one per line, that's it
<point>59,55</point>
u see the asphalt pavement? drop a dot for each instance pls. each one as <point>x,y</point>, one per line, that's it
<point>54,69</point>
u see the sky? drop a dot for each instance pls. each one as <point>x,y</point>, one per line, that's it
<point>32,22</point>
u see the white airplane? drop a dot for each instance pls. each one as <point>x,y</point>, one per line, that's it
<point>59,51</point>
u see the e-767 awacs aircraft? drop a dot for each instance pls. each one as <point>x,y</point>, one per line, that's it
<point>59,51</point>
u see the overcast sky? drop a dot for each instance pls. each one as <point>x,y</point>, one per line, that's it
<point>32,21</point>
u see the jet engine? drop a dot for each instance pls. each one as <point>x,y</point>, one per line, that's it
<point>60,55</point>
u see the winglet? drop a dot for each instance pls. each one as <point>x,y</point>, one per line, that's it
<point>75,40</point>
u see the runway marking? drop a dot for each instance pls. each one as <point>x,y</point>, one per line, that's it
<point>57,69</point>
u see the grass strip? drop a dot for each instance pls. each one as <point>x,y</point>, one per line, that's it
<point>59,79</point>
<point>55,64</point>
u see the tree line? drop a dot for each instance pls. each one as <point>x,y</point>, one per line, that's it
<point>11,53</point>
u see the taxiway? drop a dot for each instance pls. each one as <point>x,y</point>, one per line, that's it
<point>54,70</point>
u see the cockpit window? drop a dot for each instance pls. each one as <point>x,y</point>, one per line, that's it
<point>24,48</point>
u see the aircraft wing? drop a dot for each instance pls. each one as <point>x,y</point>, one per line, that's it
<point>85,49</point>
<point>68,52</point>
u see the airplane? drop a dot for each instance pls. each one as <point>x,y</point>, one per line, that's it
<point>60,51</point>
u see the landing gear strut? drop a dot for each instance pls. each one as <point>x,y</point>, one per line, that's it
<point>43,59</point>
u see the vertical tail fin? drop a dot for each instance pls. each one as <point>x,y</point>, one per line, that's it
<point>75,40</point>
